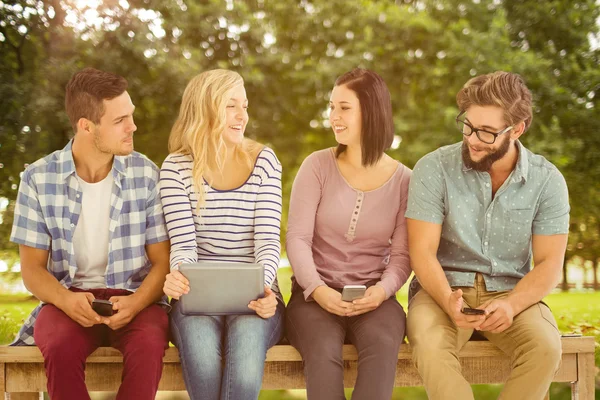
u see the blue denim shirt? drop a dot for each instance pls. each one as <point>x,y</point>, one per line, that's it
<point>49,205</point>
<point>484,234</point>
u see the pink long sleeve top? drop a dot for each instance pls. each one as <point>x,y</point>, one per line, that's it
<point>338,235</point>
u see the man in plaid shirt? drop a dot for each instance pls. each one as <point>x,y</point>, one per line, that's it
<point>89,225</point>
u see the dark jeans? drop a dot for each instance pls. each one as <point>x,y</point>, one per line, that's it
<point>319,337</point>
<point>66,345</point>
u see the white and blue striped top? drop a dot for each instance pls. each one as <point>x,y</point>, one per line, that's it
<point>237,225</point>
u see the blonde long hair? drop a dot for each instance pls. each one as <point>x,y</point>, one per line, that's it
<point>198,130</point>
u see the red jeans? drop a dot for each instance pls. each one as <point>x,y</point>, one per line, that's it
<point>66,345</point>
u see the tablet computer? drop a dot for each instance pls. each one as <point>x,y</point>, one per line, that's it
<point>221,288</point>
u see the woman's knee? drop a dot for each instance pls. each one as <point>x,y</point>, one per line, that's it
<point>198,339</point>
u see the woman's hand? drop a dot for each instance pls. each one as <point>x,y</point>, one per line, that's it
<point>265,307</point>
<point>374,296</point>
<point>331,301</point>
<point>176,285</point>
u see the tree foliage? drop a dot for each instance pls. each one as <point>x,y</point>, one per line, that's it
<point>290,53</point>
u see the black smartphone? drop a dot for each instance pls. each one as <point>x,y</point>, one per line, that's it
<point>103,307</point>
<point>472,311</point>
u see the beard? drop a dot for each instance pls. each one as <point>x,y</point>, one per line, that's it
<point>106,149</point>
<point>490,158</point>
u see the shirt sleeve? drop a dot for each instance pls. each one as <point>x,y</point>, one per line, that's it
<point>267,217</point>
<point>304,202</point>
<point>29,227</point>
<point>155,221</point>
<point>552,216</point>
<point>426,191</point>
<point>177,210</point>
<point>398,270</point>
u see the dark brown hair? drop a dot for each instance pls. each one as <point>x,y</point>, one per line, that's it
<point>377,131</point>
<point>86,91</point>
<point>501,89</point>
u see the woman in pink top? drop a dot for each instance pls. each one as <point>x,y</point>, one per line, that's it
<point>346,226</point>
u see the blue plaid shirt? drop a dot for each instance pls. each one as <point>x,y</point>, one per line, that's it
<point>48,208</point>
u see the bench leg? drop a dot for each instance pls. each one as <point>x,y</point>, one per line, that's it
<point>574,390</point>
<point>24,396</point>
<point>585,376</point>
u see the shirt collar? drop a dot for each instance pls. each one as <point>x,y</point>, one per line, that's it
<point>522,167</point>
<point>67,164</point>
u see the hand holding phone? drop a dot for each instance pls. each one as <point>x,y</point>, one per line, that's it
<point>472,311</point>
<point>353,292</point>
<point>458,313</point>
<point>103,307</point>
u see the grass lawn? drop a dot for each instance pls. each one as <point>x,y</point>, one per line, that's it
<point>575,312</point>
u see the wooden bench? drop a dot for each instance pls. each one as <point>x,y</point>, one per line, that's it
<point>22,370</point>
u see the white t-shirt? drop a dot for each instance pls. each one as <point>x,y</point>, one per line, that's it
<point>90,239</point>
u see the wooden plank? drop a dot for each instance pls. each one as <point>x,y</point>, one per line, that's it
<point>568,369</point>
<point>2,380</point>
<point>482,362</point>
<point>586,373</point>
<point>25,377</point>
<point>283,375</point>
<point>25,396</point>
<point>278,374</point>
<point>580,344</point>
<point>28,354</point>
<point>172,378</point>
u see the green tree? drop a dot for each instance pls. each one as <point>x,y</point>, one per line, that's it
<point>290,53</point>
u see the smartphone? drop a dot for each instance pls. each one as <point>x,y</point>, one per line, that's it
<point>103,307</point>
<point>472,311</point>
<point>353,292</point>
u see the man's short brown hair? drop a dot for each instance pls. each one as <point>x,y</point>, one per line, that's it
<point>377,130</point>
<point>86,92</point>
<point>501,89</point>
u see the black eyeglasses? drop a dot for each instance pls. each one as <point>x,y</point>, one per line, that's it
<point>483,135</point>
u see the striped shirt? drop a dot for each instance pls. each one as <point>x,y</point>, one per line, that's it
<point>48,209</point>
<point>237,225</point>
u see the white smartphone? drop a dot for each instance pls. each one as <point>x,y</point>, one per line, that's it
<point>353,292</point>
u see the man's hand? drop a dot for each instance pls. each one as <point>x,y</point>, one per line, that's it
<point>265,307</point>
<point>501,315</point>
<point>454,306</point>
<point>374,296</point>
<point>330,300</point>
<point>78,306</point>
<point>126,307</point>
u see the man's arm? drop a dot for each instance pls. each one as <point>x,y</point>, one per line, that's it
<point>41,283</point>
<point>423,243</point>
<point>149,292</point>
<point>46,287</point>
<point>548,258</point>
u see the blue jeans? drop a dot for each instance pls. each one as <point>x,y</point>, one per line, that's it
<point>223,357</point>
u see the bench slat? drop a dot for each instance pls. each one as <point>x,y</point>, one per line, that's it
<point>278,374</point>
<point>31,354</point>
<point>482,362</point>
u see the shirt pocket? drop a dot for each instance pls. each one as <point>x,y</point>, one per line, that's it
<point>518,226</point>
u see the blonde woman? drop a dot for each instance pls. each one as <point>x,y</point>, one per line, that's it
<point>221,195</point>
